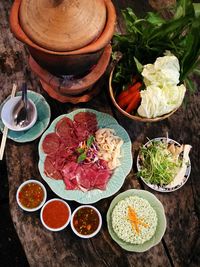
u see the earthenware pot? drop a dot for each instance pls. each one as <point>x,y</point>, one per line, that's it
<point>62,25</point>
<point>65,62</point>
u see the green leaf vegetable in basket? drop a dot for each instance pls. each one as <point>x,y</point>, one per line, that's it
<point>160,54</point>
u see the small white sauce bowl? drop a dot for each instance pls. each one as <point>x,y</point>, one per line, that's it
<point>42,220</point>
<point>7,117</point>
<point>28,182</point>
<point>98,228</point>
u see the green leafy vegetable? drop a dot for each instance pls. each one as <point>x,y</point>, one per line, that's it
<point>149,37</point>
<point>80,150</point>
<point>84,147</point>
<point>158,166</point>
<point>81,158</point>
<point>90,140</point>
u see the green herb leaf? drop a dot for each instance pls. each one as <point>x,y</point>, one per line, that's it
<point>90,140</point>
<point>138,65</point>
<point>154,18</point>
<point>81,158</point>
<point>190,85</point>
<point>197,9</point>
<point>80,150</point>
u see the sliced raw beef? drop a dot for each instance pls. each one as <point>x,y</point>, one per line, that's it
<point>63,126</point>
<point>50,170</point>
<point>91,176</point>
<point>103,174</point>
<point>85,117</point>
<point>65,130</point>
<point>61,159</point>
<point>63,156</point>
<point>51,143</point>
<point>85,176</point>
<point>69,173</point>
<point>102,179</point>
<point>85,124</point>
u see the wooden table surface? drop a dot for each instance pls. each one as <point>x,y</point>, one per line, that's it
<point>181,243</point>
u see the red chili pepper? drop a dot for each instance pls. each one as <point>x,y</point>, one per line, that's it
<point>134,102</point>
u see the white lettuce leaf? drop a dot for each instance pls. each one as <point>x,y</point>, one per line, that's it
<point>165,70</point>
<point>157,102</point>
<point>162,95</point>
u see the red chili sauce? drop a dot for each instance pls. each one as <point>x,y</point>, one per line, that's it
<point>55,214</point>
<point>86,221</point>
<point>31,195</point>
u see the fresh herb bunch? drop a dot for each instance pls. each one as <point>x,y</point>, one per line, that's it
<point>158,166</point>
<point>149,37</point>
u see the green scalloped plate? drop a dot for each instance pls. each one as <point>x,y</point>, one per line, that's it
<point>43,118</point>
<point>118,177</point>
<point>161,226</point>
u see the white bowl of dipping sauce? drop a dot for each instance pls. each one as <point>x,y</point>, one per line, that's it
<point>55,215</point>
<point>86,221</point>
<point>31,195</point>
<point>7,114</point>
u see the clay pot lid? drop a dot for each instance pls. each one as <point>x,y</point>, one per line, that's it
<point>62,25</point>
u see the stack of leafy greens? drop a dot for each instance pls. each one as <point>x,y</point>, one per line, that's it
<point>149,37</point>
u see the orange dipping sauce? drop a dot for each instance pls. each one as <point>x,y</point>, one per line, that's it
<point>55,214</point>
<point>31,195</point>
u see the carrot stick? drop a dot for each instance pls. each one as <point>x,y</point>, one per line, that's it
<point>131,89</point>
<point>123,94</point>
<point>135,87</point>
<point>134,79</point>
<point>134,102</point>
<point>123,102</point>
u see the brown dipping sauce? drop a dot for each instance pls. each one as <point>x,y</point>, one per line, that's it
<point>86,221</point>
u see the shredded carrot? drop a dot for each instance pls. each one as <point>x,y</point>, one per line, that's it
<point>135,221</point>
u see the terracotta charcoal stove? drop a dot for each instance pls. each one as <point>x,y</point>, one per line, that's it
<point>72,88</point>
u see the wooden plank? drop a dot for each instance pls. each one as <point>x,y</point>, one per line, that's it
<point>44,248</point>
<point>181,239</point>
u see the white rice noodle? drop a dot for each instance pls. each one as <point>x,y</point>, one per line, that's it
<point>109,145</point>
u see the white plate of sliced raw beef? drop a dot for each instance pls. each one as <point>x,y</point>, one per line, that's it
<point>63,163</point>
